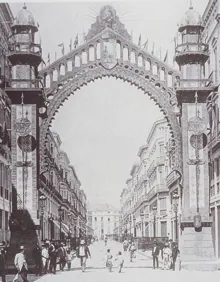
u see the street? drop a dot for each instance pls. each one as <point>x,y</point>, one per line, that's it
<point>135,271</point>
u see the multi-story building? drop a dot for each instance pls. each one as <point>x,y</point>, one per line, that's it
<point>62,189</point>
<point>6,18</point>
<point>146,189</point>
<point>103,220</point>
<point>211,20</point>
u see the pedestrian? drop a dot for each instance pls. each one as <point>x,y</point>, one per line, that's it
<point>108,260</point>
<point>45,258</point>
<point>132,251</point>
<point>61,253</point>
<point>69,258</point>
<point>125,245</point>
<point>37,259</point>
<point>83,253</point>
<point>174,255</point>
<point>52,258</point>
<point>120,260</point>
<point>21,264</point>
<point>155,254</point>
<point>106,239</point>
<point>166,256</point>
<point>2,263</point>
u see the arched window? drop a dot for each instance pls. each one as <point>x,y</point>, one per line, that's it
<point>91,53</point>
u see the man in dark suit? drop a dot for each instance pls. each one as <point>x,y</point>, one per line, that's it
<point>155,254</point>
<point>62,255</point>
<point>175,252</point>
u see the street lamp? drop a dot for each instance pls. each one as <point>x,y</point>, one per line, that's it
<point>70,217</point>
<point>130,221</point>
<point>51,219</point>
<point>175,208</point>
<point>134,221</point>
<point>60,212</point>
<point>42,200</point>
<point>142,223</point>
<point>154,213</point>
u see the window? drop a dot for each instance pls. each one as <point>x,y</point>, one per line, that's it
<point>95,218</point>
<point>108,219</point>
<point>0,219</point>
<point>218,188</point>
<point>1,192</point>
<point>161,150</point>
<point>6,220</point>
<point>163,204</point>
<point>217,166</point>
<point>101,218</point>
<point>51,149</point>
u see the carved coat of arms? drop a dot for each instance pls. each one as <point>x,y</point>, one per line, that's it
<point>108,53</point>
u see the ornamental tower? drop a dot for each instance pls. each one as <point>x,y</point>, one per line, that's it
<point>26,96</point>
<point>191,54</point>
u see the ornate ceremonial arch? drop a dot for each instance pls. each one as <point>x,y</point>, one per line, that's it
<point>108,51</point>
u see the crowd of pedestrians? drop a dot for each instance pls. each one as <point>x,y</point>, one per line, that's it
<point>46,259</point>
<point>170,255</point>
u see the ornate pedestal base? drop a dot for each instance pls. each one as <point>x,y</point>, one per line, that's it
<point>197,250</point>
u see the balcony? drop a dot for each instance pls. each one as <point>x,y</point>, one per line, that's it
<point>192,83</point>
<point>171,178</point>
<point>156,189</point>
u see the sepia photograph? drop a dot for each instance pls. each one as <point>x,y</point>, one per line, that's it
<point>110,141</point>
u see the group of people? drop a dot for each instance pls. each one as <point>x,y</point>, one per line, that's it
<point>47,258</point>
<point>109,260</point>
<point>170,254</point>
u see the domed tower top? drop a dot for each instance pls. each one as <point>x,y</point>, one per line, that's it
<point>191,19</point>
<point>24,21</point>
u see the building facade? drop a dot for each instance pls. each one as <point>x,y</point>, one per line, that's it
<point>6,18</point>
<point>211,19</point>
<point>103,219</point>
<point>146,191</point>
<point>62,189</point>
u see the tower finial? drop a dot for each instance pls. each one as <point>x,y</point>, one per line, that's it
<point>24,7</point>
<point>191,5</point>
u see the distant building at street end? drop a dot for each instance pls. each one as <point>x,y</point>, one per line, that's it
<point>102,220</point>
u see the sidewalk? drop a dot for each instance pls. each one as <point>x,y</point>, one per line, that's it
<point>148,254</point>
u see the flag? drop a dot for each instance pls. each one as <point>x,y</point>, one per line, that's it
<point>70,44</point>
<point>146,45</point>
<point>76,42</point>
<point>166,57</point>
<point>48,58</point>
<point>152,52</point>
<point>62,50</point>
<point>139,40</point>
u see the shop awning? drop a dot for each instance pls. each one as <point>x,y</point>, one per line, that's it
<point>62,228</point>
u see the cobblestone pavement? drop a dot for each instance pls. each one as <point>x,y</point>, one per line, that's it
<point>139,270</point>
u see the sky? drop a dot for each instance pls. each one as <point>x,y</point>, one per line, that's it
<point>104,124</point>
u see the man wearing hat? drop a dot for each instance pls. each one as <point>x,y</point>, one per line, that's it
<point>21,264</point>
<point>2,262</point>
<point>83,253</point>
<point>155,254</point>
